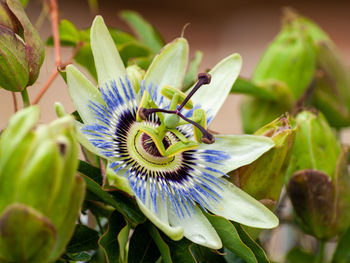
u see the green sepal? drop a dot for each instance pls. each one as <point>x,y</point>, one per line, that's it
<point>316,146</point>
<point>25,235</point>
<point>33,44</point>
<point>14,67</point>
<point>264,178</point>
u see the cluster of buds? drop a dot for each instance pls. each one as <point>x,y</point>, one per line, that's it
<point>40,193</point>
<point>303,60</point>
<point>264,178</point>
<point>318,178</point>
<point>22,50</point>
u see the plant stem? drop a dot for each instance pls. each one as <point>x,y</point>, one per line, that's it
<point>320,253</point>
<point>55,31</point>
<point>15,105</point>
<point>25,98</point>
<point>55,73</point>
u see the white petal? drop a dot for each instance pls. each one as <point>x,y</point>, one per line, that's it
<point>109,65</point>
<point>169,66</point>
<point>81,92</point>
<point>160,219</point>
<point>238,206</point>
<point>242,150</point>
<point>197,228</point>
<point>223,75</point>
<point>83,139</point>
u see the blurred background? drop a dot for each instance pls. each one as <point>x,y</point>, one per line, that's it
<point>217,28</point>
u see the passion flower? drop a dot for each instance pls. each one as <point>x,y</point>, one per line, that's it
<point>155,139</point>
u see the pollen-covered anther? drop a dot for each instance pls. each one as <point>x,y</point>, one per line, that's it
<point>143,113</point>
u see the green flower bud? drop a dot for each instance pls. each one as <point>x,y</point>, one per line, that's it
<point>22,51</point>
<point>290,58</point>
<point>135,74</point>
<point>319,182</point>
<point>332,82</point>
<point>258,112</point>
<point>40,194</point>
<point>264,178</point>
<point>316,146</point>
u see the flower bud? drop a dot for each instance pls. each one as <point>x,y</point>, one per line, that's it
<point>40,194</point>
<point>331,88</point>
<point>316,146</point>
<point>264,178</point>
<point>258,112</point>
<point>135,74</point>
<point>22,49</point>
<point>319,181</point>
<point>290,58</point>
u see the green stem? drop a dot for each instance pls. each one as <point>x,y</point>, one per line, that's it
<point>320,253</point>
<point>25,98</point>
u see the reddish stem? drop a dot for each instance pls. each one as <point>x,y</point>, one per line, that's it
<point>15,105</point>
<point>55,73</point>
<point>55,31</point>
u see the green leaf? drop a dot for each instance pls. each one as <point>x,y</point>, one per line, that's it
<point>191,75</point>
<point>85,58</point>
<point>296,255</point>
<point>171,251</point>
<point>342,252</point>
<point>231,239</point>
<point>84,239</point>
<point>132,50</point>
<point>120,38</point>
<point>142,248</point>
<point>69,34</point>
<point>109,241</point>
<point>81,256</point>
<point>148,35</point>
<point>161,244</point>
<point>245,86</point>
<point>251,243</point>
<point>180,251</point>
<point>122,203</point>
<point>91,171</point>
<point>206,255</point>
<point>231,257</point>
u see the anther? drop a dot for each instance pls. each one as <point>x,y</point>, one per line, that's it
<point>203,78</point>
<point>144,113</point>
<point>207,137</point>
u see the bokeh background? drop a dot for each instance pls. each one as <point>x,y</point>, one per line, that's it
<point>218,28</point>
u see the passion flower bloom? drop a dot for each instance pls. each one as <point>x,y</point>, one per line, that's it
<point>155,139</point>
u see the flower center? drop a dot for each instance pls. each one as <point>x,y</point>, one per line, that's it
<point>150,147</point>
<point>143,149</point>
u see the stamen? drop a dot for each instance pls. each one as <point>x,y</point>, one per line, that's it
<point>207,137</point>
<point>203,78</point>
